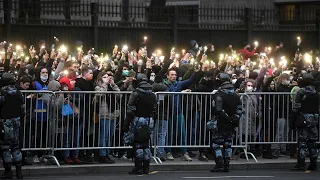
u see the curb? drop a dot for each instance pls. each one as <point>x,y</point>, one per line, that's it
<point>124,168</point>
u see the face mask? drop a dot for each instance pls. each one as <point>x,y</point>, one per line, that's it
<point>44,78</point>
<point>291,78</point>
<point>286,83</point>
<point>234,81</point>
<point>197,46</point>
<point>249,88</point>
<point>152,78</point>
<point>125,72</point>
<point>66,88</point>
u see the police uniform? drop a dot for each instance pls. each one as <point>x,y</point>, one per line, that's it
<point>305,119</point>
<point>140,118</point>
<point>226,115</point>
<point>11,103</point>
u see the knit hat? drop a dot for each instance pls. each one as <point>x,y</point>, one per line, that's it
<point>53,85</point>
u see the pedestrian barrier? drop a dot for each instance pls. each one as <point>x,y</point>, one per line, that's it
<point>36,130</point>
<point>71,121</point>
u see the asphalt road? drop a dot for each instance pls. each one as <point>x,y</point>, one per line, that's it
<point>169,175</point>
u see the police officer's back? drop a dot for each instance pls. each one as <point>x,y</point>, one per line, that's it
<point>226,115</point>
<point>140,115</point>
<point>11,102</point>
<point>305,119</point>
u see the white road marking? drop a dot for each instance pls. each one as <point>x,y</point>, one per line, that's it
<point>219,177</point>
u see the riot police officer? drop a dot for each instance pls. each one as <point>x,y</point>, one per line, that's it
<point>304,119</point>
<point>11,103</point>
<point>226,116</point>
<point>140,115</point>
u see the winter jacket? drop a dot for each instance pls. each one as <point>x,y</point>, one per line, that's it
<point>108,103</point>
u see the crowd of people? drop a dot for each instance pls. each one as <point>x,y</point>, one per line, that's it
<point>251,69</point>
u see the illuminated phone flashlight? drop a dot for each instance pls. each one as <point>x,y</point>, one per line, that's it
<point>234,56</point>
<point>79,49</point>
<point>205,48</point>
<point>73,58</point>
<point>221,56</point>
<point>125,48</point>
<point>183,51</point>
<point>42,47</point>
<point>26,59</point>
<point>159,52</point>
<point>16,72</point>
<point>161,58</point>
<point>177,56</point>
<point>18,47</point>
<point>272,61</point>
<point>116,46</point>
<point>298,38</point>
<point>63,48</point>
<point>10,45</point>
<point>22,54</point>
<point>256,43</point>
<point>307,58</point>
<point>145,38</point>
<point>269,48</point>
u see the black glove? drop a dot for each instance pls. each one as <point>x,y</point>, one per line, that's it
<point>126,126</point>
<point>292,120</point>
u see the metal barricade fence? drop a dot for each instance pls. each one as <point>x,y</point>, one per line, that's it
<point>182,119</point>
<point>89,120</point>
<point>268,122</point>
<point>36,125</point>
<point>73,121</point>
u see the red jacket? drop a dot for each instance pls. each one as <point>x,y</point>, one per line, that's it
<point>247,54</point>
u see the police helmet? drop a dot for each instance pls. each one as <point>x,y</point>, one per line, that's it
<point>141,77</point>
<point>306,76</point>
<point>7,79</point>
<point>223,77</point>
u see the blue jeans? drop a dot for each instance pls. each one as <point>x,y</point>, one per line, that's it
<point>107,128</point>
<point>161,136</point>
<point>72,138</point>
<point>180,131</point>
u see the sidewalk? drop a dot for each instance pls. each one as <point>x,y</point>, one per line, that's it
<point>123,166</point>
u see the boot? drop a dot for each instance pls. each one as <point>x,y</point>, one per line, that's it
<point>18,171</point>
<point>300,166</point>
<point>219,165</point>
<point>137,170</point>
<point>8,174</point>
<point>313,165</point>
<point>146,164</point>
<point>226,164</point>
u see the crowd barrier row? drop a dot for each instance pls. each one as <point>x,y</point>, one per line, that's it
<point>73,121</point>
